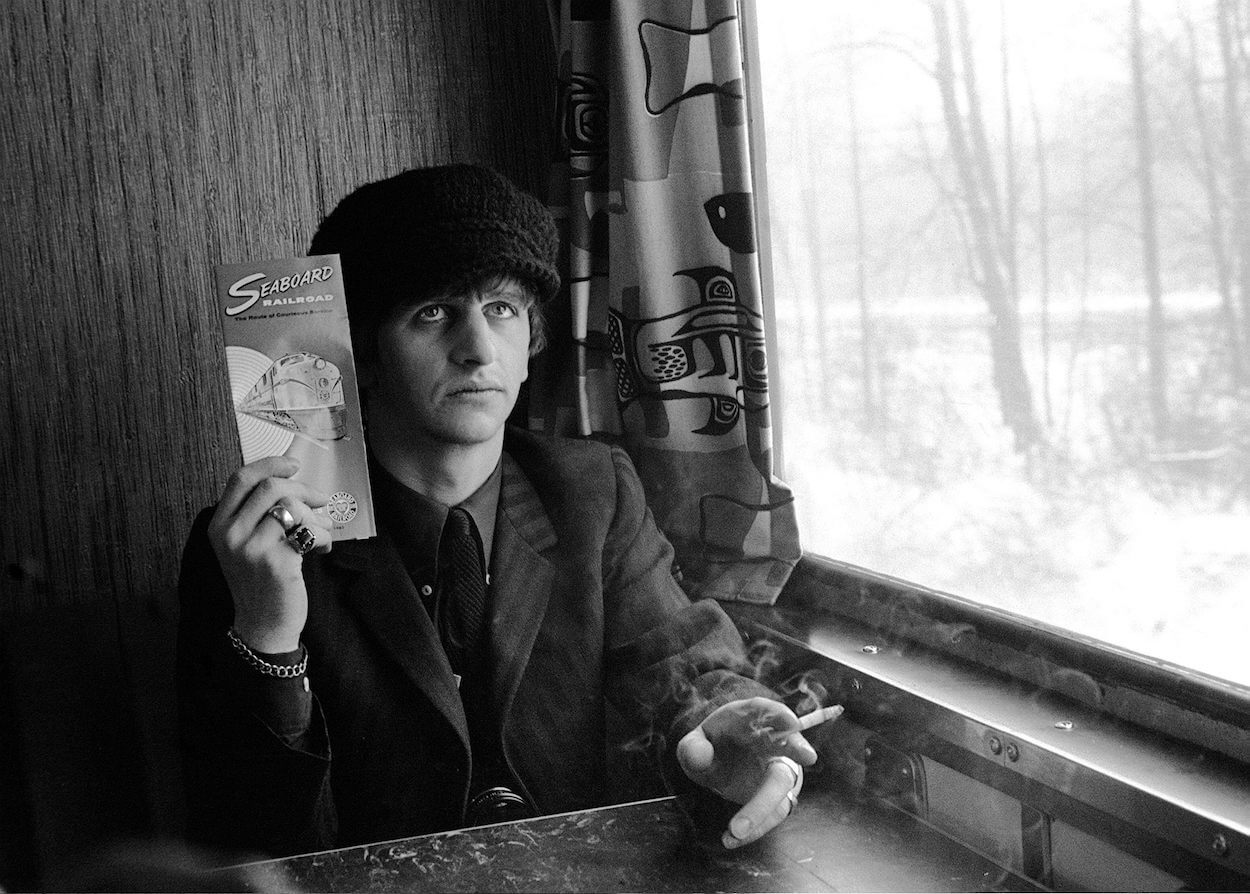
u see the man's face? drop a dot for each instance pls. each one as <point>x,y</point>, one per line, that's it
<point>447,369</point>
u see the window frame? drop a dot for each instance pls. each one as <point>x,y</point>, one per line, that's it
<point>1164,682</point>
<point>1153,694</point>
<point>1160,700</point>
<point>851,630</point>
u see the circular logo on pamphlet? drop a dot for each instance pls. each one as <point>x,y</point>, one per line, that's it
<point>342,507</point>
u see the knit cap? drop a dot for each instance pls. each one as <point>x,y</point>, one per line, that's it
<point>418,232</point>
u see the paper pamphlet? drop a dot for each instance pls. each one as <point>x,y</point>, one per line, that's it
<point>293,379</point>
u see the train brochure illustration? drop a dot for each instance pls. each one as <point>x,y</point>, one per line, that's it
<point>293,379</point>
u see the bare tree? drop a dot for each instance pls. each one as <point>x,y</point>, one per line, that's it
<point>982,208</point>
<point>811,381</point>
<point>872,412</point>
<point>1216,231</point>
<point>1043,247</point>
<point>1080,331</point>
<point>1235,69</point>
<point>1010,178</point>
<point>1156,337</point>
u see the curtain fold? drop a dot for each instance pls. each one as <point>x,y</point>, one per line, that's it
<point>652,186</point>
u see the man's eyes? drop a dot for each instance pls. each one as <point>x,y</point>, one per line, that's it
<point>499,309</point>
<point>502,309</point>
<point>431,313</point>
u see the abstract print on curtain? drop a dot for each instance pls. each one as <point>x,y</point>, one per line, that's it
<point>654,191</point>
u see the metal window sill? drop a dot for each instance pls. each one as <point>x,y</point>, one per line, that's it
<point>1161,799</point>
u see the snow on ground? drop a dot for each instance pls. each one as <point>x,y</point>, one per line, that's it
<point>1077,540</point>
<point>1163,582</point>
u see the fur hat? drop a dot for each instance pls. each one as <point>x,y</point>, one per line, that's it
<point>428,228</point>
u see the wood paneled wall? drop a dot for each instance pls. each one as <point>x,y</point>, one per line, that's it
<point>142,143</point>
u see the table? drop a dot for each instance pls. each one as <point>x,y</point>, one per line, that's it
<point>834,841</point>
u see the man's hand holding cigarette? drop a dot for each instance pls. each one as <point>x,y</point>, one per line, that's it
<point>752,752</point>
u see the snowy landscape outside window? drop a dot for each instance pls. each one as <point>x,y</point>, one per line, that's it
<point>1011,272</point>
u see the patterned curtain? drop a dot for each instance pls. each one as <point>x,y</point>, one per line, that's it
<point>653,187</point>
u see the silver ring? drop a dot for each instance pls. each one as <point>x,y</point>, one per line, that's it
<point>282,516</point>
<point>793,799</point>
<point>790,765</point>
<point>301,539</point>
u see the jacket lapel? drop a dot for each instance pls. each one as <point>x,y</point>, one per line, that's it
<point>523,532</point>
<point>383,597</point>
<point>385,600</point>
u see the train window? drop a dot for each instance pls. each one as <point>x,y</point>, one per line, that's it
<point>1010,251</point>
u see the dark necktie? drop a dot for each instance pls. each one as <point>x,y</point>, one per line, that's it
<point>464,610</point>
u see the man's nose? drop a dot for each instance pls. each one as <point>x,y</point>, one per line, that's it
<point>475,343</point>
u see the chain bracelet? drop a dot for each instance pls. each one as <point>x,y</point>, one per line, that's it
<point>287,671</point>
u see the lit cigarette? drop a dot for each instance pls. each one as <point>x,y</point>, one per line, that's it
<point>820,715</point>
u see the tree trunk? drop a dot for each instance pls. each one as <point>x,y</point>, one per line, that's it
<point>1215,212</point>
<point>1010,184</point>
<point>1155,334</point>
<point>821,295</point>
<point>1043,250</point>
<point>1239,164</point>
<point>872,416</point>
<point>1081,327</point>
<point>982,209</point>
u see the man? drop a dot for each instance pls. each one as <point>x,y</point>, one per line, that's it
<point>462,666</point>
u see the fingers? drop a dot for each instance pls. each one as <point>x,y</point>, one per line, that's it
<point>273,473</point>
<point>325,539</point>
<point>245,478</point>
<point>285,527</point>
<point>262,553</point>
<point>771,803</point>
<point>782,731</point>
<point>255,510</point>
<point>768,725</point>
<point>322,538</point>
<point>748,736</point>
<point>797,748</point>
<point>750,751</point>
<point>253,490</point>
<point>695,753</point>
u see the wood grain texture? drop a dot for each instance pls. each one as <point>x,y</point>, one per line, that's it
<point>142,143</point>
<point>147,142</point>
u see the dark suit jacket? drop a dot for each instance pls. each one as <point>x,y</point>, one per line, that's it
<point>586,611</point>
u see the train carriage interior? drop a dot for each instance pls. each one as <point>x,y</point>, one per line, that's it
<point>976,367</point>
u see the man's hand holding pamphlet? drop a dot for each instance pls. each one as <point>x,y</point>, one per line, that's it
<point>293,380</point>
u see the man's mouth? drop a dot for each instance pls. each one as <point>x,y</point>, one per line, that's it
<point>475,389</point>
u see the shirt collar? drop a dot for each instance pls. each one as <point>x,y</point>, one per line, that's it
<point>415,521</point>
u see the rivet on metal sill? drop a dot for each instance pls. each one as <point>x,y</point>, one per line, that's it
<point>1064,725</point>
<point>1013,752</point>
<point>1219,845</point>
<point>996,746</point>
<point>870,649</point>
